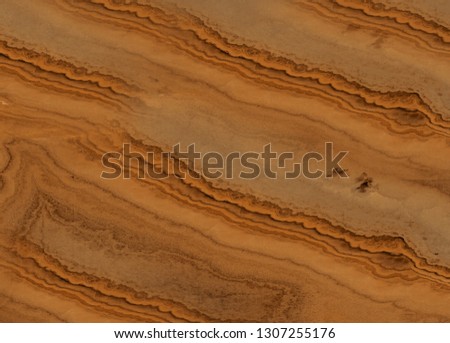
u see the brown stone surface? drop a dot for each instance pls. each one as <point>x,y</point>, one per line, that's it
<point>81,78</point>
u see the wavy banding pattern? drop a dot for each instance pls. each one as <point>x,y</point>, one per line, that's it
<point>76,247</point>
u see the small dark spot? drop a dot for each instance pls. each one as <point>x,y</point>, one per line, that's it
<point>365,181</point>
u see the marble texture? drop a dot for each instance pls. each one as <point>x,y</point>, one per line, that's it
<point>80,78</point>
